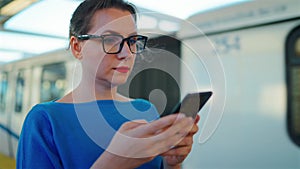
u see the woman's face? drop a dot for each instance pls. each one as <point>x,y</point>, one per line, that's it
<point>108,69</point>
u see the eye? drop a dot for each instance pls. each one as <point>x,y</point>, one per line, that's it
<point>112,40</point>
<point>133,40</point>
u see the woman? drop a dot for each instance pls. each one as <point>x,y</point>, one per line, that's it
<point>93,126</point>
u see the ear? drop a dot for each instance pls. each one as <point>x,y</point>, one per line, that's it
<point>76,48</point>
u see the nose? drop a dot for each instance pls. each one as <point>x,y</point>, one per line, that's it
<point>125,52</point>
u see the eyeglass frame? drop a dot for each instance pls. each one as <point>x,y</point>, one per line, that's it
<point>89,36</point>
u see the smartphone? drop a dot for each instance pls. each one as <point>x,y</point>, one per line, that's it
<point>191,104</point>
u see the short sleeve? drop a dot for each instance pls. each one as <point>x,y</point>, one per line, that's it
<point>36,147</point>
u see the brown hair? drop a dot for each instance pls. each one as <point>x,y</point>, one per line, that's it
<point>80,22</point>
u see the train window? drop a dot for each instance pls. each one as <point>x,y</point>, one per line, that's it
<point>295,95</point>
<point>53,81</point>
<point>293,84</point>
<point>19,91</point>
<point>3,90</point>
<point>297,47</point>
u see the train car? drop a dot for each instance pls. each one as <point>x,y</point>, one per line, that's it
<point>249,54</point>
<point>25,83</point>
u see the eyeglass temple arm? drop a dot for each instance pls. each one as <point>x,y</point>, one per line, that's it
<point>87,37</point>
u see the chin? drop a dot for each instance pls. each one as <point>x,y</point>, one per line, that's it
<point>119,81</point>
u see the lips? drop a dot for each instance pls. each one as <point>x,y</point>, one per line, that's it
<point>122,69</point>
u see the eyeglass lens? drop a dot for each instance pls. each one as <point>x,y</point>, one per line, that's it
<point>114,44</point>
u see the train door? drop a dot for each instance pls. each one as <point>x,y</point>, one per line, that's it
<point>156,75</point>
<point>53,81</point>
<point>253,130</point>
<point>31,86</point>
<point>4,131</point>
<point>293,84</point>
<point>21,94</point>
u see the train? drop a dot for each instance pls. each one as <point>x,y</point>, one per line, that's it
<point>258,44</point>
<point>248,54</point>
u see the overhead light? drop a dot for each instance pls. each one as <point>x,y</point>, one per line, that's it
<point>47,17</point>
<point>168,26</point>
<point>147,22</point>
<point>15,6</point>
<point>183,9</point>
<point>8,56</point>
<point>30,44</point>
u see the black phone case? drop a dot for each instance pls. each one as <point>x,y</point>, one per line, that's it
<point>191,104</point>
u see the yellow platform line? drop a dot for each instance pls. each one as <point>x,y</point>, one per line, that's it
<point>7,162</point>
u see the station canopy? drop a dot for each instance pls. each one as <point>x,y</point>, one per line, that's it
<point>32,27</point>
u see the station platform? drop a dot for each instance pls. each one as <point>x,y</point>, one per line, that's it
<point>7,162</point>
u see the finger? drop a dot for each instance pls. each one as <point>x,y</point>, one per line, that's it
<point>173,135</point>
<point>179,151</point>
<point>180,126</point>
<point>162,123</point>
<point>174,160</point>
<point>181,141</point>
<point>186,141</point>
<point>133,124</point>
<point>149,129</point>
<point>197,119</point>
<point>194,129</point>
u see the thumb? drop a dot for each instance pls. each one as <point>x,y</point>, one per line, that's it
<point>133,124</point>
<point>197,119</point>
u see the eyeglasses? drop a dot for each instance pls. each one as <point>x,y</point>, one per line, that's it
<point>113,44</point>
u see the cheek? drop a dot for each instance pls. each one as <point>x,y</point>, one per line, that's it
<point>92,54</point>
<point>132,60</point>
<point>91,49</point>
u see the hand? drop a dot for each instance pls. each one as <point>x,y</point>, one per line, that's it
<point>138,142</point>
<point>174,157</point>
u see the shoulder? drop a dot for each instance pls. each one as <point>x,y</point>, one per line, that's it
<point>41,108</point>
<point>41,112</point>
<point>142,101</point>
<point>147,107</point>
<point>37,110</point>
<point>142,104</point>
<point>37,114</point>
<point>36,123</point>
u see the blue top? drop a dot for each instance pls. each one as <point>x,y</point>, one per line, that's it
<point>67,135</point>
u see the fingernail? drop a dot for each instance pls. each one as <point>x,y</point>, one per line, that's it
<point>181,115</point>
<point>184,134</point>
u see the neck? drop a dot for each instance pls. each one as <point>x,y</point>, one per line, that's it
<point>87,91</point>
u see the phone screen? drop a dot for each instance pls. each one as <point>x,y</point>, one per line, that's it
<point>191,104</point>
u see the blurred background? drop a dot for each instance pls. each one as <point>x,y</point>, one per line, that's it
<point>46,22</point>
<point>246,52</point>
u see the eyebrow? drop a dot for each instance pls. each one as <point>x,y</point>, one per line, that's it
<point>117,33</point>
